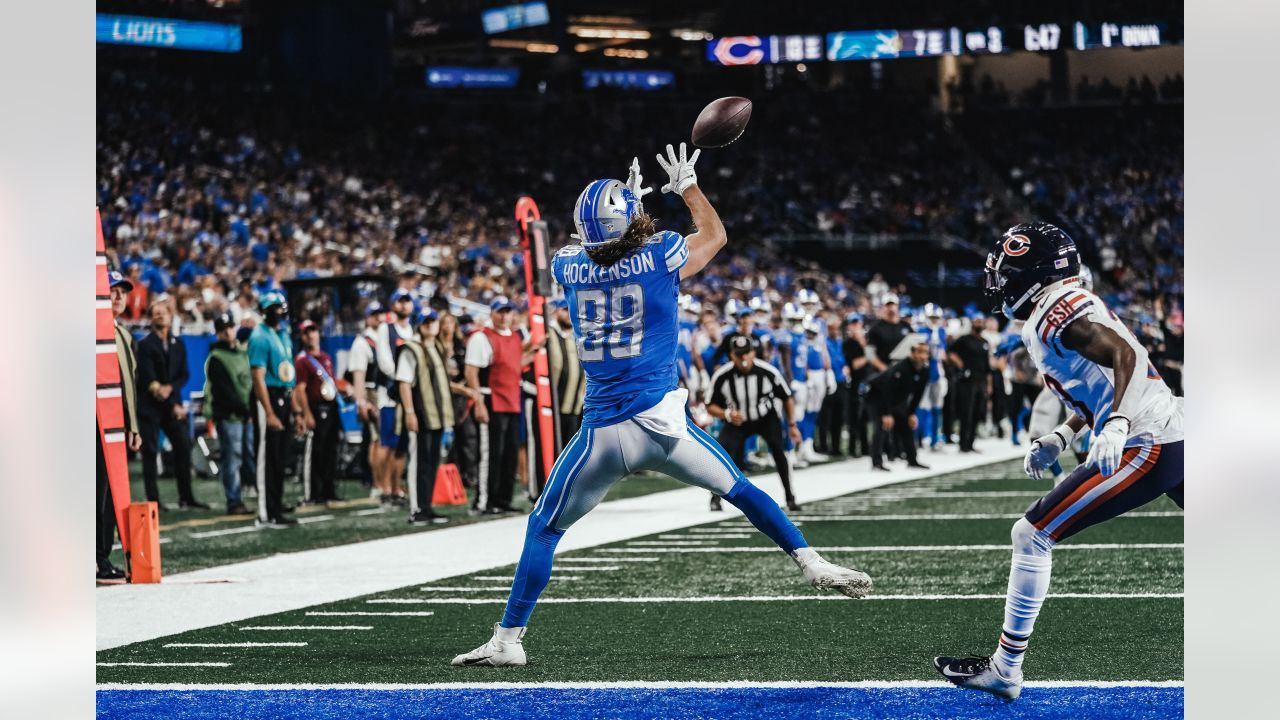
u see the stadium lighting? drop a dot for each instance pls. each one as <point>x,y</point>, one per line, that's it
<point>632,53</point>
<point>691,35</point>
<point>548,48</point>
<point>609,33</point>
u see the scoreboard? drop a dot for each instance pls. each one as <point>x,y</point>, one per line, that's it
<point>932,42</point>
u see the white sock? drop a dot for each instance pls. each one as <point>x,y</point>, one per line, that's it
<point>509,634</point>
<point>1029,574</point>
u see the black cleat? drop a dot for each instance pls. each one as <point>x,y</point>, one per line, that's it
<point>979,673</point>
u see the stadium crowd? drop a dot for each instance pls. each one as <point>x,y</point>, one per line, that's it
<point>212,197</point>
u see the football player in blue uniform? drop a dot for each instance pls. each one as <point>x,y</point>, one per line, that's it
<point>929,426</point>
<point>621,283</point>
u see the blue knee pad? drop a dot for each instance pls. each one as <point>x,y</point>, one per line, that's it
<point>765,514</point>
<point>532,572</point>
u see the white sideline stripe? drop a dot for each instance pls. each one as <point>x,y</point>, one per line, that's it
<point>626,684</point>
<point>667,543</point>
<point>164,664</point>
<point>236,645</point>
<point>771,598</point>
<point>308,627</point>
<point>601,559</point>
<point>298,581</point>
<point>504,578</point>
<point>708,536</point>
<point>406,613</point>
<point>370,511</point>
<point>610,568</point>
<point>969,516</point>
<point>464,589</point>
<point>226,531</point>
<point>314,519</point>
<point>920,548</point>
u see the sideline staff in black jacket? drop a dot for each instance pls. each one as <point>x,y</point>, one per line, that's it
<point>892,398</point>
<point>162,371</point>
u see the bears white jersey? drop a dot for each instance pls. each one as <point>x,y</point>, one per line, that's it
<point>1088,389</point>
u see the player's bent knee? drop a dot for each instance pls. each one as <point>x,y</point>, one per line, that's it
<point>1028,540</point>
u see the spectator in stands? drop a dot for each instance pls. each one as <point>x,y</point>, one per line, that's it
<point>494,358</point>
<point>162,372</point>
<point>227,398</point>
<point>892,399</point>
<point>970,354</point>
<point>279,418</point>
<point>106,510</point>
<point>316,394</point>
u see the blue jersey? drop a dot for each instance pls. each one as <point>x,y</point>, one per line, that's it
<point>626,324</point>
<point>937,339</point>
<point>799,356</point>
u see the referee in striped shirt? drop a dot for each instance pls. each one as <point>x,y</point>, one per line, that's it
<point>746,393</point>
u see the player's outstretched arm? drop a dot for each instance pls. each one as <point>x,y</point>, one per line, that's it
<point>1104,346</point>
<point>710,235</point>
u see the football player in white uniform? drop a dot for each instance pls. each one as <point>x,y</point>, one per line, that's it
<point>1101,373</point>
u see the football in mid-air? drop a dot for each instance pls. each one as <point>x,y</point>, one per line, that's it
<point>721,122</point>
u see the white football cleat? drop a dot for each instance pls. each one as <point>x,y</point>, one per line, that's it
<point>980,673</point>
<point>797,462</point>
<point>825,575</point>
<point>497,652</point>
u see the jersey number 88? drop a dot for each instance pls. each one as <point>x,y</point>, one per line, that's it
<point>610,320</point>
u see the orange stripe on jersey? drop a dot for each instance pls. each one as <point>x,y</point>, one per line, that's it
<point>1058,312</point>
<point>1134,477</point>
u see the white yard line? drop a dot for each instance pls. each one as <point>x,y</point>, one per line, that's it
<point>225,531</point>
<point>602,559</point>
<point>916,548</point>
<point>628,684</point>
<point>164,664</point>
<point>507,578</point>
<point>604,568</point>
<point>671,543</point>
<point>464,589</point>
<point>371,511</point>
<point>363,613</point>
<point>724,536</point>
<point>967,516</point>
<point>764,598</point>
<point>307,627</point>
<point>294,581</point>
<point>236,645</point>
<point>314,519</point>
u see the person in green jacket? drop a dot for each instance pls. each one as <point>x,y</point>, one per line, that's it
<point>227,387</point>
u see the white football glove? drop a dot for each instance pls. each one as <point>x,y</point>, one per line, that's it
<point>1107,446</point>
<point>831,382</point>
<point>634,182</point>
<point>680,170</point>
<point>1042,453</point>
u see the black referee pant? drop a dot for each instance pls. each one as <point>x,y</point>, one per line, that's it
<point>902,435</point>
<point>733,438</point>
<point>320,456</point>
<point>106,526</point>
<point>831,420</point>
<point>273,447</point>
<point>971,407</point>
<point>856,417</point>
<point>424,462</point>
<point>176,431</point>
<point>499,439</point>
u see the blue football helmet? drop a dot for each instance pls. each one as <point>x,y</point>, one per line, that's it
<point>1026,259</point>
<point>603,212</point>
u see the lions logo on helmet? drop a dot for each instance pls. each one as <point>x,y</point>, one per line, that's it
<point>603,212</point>
<point>1028,258</point>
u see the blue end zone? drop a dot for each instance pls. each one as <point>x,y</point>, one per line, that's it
<point>1068,703</point>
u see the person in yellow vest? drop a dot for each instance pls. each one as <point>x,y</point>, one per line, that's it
<point>106,525</point>
<point>426,394</point>
<point>567,377</point>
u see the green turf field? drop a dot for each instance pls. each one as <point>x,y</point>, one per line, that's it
<point>716,602</point>
<point>195,539</point>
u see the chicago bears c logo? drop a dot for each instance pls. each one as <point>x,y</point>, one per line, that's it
<point>1016,245</point>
